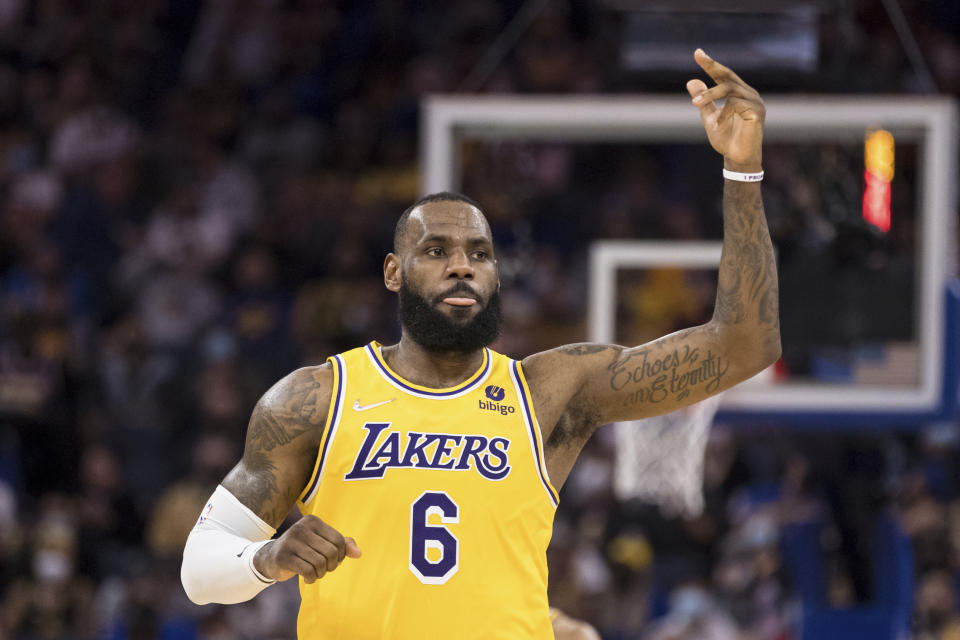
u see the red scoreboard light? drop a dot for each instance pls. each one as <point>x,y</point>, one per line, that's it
<point>878,158</point>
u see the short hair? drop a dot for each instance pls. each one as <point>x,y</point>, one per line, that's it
<point>440,196</point>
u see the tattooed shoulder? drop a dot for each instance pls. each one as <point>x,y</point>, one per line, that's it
<point>295,406</point>
<point>282,439</point>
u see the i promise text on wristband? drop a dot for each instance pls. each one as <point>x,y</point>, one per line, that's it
<point>743,177</point>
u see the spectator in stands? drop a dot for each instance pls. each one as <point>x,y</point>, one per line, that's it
<point>51,600</point>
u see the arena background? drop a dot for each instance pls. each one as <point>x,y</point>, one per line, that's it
<point>195,198</point>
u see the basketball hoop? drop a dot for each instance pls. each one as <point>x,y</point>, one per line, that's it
<point>660,459</point>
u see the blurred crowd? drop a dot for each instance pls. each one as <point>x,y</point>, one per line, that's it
<point>792,532</point>
<point>196,198</point>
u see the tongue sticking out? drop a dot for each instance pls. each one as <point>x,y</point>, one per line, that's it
<point>460,302</point>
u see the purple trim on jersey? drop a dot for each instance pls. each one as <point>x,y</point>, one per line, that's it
<point>437,394</point>
<point>334,416</point>
<point>533,434</point>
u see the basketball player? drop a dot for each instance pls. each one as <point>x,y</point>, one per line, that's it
<point>442,459</point>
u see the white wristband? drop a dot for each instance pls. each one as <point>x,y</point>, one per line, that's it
<point>742,177</point>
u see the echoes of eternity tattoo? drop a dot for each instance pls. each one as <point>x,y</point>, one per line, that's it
<point>656,373</point>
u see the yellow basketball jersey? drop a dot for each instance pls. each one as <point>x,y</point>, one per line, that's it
<point>447,495</point>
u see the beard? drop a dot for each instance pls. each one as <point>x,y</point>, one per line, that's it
<point>437,333</point>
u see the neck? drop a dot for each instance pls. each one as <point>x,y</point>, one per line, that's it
<point>429,368</point>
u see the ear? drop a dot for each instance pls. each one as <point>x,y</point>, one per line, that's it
<point>391,272</point>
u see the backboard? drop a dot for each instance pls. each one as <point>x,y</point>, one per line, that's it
<point>881,360</point>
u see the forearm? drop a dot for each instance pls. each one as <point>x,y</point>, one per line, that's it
<point>747,304</point>
<point>218,557</point>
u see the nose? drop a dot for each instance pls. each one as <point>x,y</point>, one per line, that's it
<point>459,265</point>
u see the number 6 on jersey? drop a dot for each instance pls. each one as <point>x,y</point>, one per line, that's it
<point>425,536</point>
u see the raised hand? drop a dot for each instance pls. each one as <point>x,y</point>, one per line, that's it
<point>735,130</point>
<point>310,548</point>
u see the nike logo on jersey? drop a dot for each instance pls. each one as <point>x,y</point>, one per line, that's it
<point>428,451</point>
<point>358,407</point>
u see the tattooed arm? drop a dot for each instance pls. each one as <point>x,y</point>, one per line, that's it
<point>243,513</point>
<point>576,388</point>
<point>283,437</point>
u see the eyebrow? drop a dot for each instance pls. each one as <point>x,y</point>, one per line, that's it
<point>442,239</point>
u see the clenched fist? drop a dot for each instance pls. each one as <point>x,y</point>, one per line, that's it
<point>309,548</point>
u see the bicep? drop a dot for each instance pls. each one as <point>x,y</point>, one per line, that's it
<point>281,445</point>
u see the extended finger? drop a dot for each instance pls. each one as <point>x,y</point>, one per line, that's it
<point>714,69</point>
<point>724,90</point>
<point>696,88</point>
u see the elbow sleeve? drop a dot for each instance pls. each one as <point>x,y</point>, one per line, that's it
<point>218,557</point>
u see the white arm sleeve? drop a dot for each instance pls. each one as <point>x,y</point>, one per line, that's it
<point>218,558</point>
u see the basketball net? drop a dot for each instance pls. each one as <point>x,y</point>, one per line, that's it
<point>660,459</point>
